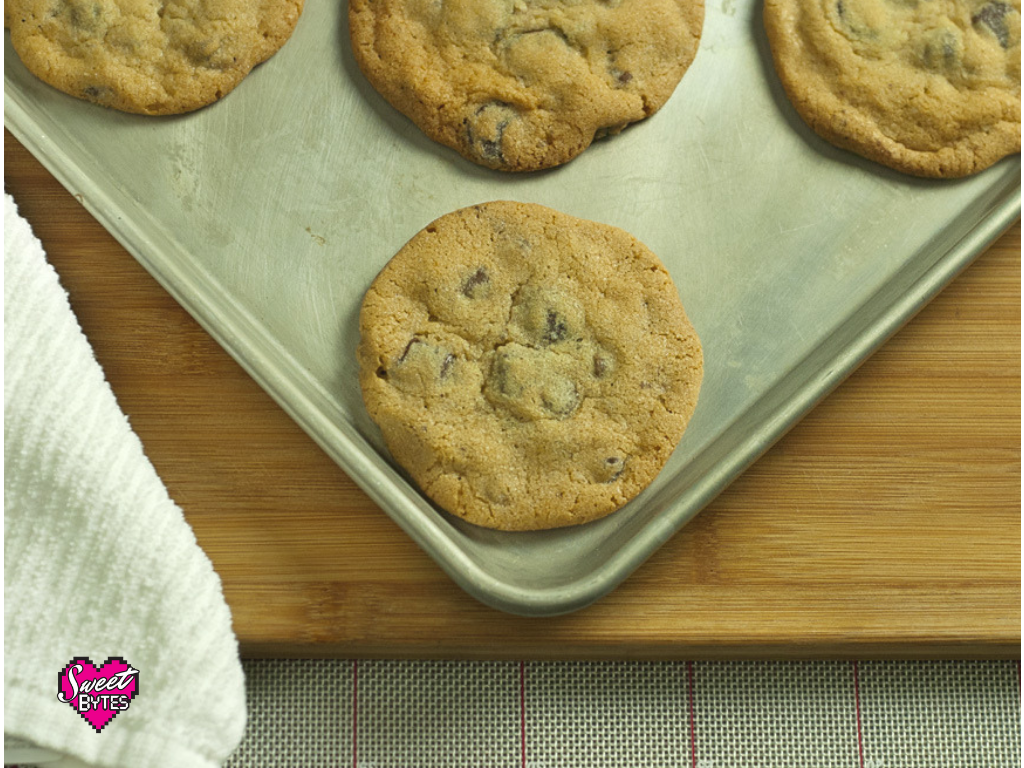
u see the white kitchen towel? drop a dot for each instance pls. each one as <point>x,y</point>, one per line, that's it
<point>99,562</point>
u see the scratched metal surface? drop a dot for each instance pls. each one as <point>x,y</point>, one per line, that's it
<point>268,214</point>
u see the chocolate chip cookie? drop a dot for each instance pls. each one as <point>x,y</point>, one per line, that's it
<point>152,57</point>
<point>528,369</point>
<point>522,86</point>
<point>928,88</point>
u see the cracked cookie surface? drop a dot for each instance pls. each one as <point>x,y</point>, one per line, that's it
<point>153,57</point>
<point>528,369</point>
<point>521,85</point>
<point>928,88</point>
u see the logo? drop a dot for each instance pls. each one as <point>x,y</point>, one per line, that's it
<point>97,694</point>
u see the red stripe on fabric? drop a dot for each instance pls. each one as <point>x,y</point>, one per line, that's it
<point>522,711</point>
<point>355,713</point>
<point>856,700</point>
<point>693,714</point>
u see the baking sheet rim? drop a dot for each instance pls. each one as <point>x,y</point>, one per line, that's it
<point>359,462</point>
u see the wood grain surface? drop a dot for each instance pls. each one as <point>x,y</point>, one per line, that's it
<point>885,524</point>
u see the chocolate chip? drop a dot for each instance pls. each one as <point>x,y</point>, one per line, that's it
<point>408,347</point>
<point>602,365</point>
<point>209,54</point>
<point>614,466</point>
<point>422,367</point>
<point>512,37</point>
<point>501,376</point>
<point>485,131</point>
<point>446,365</point>
<point>561,400</point>
<point>620,77</point>
<point>96,92</point>
<point>476,285</point>
<point>941,50</point>
<point>557,328</point>
<point>531,383</point>
<point>853,23</point>
<point>546,316</point>
<point>993,16</point>
<point>84,16</point>
<point>491,149</point>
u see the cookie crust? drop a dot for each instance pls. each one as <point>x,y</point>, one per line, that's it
<point>151,57</point>
<point>929,89</point>
<point>523,86</point>
<point>528,369</point>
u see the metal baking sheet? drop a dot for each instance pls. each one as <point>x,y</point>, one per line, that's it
<point>268,214</point>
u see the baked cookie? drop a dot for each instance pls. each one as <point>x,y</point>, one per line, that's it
<point>928,88</point>
<point>152,57</point>
<point>528,369</point>
<point>521,86</point>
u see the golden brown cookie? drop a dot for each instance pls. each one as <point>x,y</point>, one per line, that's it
<point>522,86</point>
<point>528,369</point>
<point>153,57</point>
<point>928,88</point>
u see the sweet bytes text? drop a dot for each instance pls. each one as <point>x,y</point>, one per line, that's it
<point>116,682</point>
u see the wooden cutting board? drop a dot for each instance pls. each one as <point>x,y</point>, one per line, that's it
<point>886,524</point>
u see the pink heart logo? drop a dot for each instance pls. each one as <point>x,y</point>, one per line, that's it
<point>98,694</point>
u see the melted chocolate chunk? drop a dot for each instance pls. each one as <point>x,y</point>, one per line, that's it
<point>476,285</point>
<point>515,37</point>
<point>87,17</point>
<point>531,384</point>
<point>853,22</point>
<point>993,16</point>
<point>547,316</point>
<point>408,348</point>
<point>423,367</point>
<point>614,466</point>
<point>446,366</point>
<point>557,329</point>
<point>501,378</point>
<point>485,132</point>
<point>941,50</point>
<point>209,54</point>
<point>98,93</point>
<point>562,400</point>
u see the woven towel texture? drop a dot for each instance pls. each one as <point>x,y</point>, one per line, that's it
<point>98,560</point>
